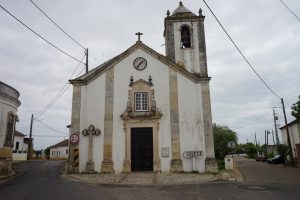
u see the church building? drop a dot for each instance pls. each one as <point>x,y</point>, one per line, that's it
<point>143,111</point>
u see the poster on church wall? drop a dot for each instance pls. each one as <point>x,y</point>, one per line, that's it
<point>165,152</point>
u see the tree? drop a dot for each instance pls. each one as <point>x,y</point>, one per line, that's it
<point>239,149</point>
<point>47,151</point>
<point>296,109</point>
<point>250,149</point>
<point>222,135</point>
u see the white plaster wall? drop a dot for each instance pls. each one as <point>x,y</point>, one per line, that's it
<point>190,122</point>
<point>21,143</point>
<point>284,136</point>
<point>62,152</point>
<point>92,112</point>
<point>189,57</point>
<point>25,147</point>
<point>5,107</point>
<point>19,156</point>
<point>122,73</point>
<point>294,136</point>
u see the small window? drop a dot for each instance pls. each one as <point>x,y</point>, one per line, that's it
<point>141,101</point>
<point>66,151</point>
<point>185,37</point>
<point>17,145</point>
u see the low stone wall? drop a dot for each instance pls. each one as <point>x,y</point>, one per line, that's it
<point>5,166</point>
<point>5,161</point>
<point>19,156</point>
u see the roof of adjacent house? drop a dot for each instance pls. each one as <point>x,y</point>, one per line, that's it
<point>97,71</point>
<point>17,133</point>
<point>63,143</point>
<point>291,123</point>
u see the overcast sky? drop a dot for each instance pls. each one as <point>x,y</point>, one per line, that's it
<point>266,32</point>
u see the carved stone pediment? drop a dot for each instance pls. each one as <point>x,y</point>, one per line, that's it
<point>144,87</point>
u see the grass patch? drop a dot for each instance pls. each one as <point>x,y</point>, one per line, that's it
<point>221,164</point>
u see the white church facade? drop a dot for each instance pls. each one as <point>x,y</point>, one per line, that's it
<point>143,111</point>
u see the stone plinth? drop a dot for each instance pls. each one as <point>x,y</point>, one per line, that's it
<point>176,165</point>
<point>89,168</point>
<point>126,166</point>
<point>107,166</point>
<point>211,165</point>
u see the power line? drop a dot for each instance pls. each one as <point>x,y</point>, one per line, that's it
<point>56,24</point>
<point>51,103</point>
<point>59,94</point>
<point>80,72</point>
<point>289,10</point>
<point>261,116</point>
<point>241,52</point>
<point>32,77</point>
<point>51,128</point>
<point>49,136</point>
<point>67,54</point>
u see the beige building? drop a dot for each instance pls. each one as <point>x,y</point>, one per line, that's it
<point>143,111</point>
<point>9,104</point>
<point>294,131</point>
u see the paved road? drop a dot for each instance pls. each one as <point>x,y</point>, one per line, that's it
<point>264,173</point>
<point>41,180</point>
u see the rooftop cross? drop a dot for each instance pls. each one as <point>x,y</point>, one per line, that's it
<point>139,35</point>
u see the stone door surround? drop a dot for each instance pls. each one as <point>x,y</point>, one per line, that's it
<point>135,123</point>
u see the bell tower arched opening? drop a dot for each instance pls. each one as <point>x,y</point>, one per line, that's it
<point>185,37</point>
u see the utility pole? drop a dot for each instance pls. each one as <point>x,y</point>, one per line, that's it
<point>287,133</point>
<point>273,137</point>
<point>87,60</point>
<point>275,124</point>
<point>29,151</point>
<point>267,138</point>
<point>255,140</point>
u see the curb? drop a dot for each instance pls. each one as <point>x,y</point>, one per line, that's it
<point>153,181</point>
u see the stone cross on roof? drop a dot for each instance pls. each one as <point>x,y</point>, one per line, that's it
<point>139,35</point>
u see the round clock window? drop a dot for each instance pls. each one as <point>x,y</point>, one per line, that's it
<point>140,63</point>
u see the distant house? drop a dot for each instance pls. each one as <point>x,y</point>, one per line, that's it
<point>294,130</point>
<point>60,150</point>
<point>9,104</point>
<point>20,146</point>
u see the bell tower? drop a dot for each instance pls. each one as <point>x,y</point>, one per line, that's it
<point>185,39</point>
<point>185,46</point>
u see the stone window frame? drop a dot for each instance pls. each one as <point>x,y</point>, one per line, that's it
<point>10,129</point>
<point>141,101</point>
<point>191,36</point>
<point>144,87</point>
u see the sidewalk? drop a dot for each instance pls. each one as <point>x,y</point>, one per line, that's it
<point>143,178</point>
<point>6,176</point>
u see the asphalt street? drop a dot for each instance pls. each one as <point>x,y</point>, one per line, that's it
<point>38,180</point>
